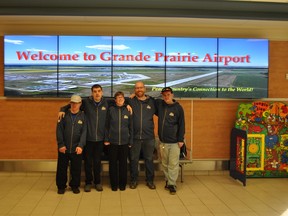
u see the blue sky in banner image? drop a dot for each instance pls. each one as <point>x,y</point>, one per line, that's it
<point>192,50</point>
<point>88,48</point>
<point>15,46</point>
<point>255,49</point>
<point>142,48</point>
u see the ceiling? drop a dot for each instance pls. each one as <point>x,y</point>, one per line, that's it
<point>203,18</point>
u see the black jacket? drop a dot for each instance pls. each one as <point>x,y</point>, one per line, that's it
<point>71,132</point>
<point>171,122</point>
<point>119,126</point>
<point>96,117</point>
<point>143,112</point>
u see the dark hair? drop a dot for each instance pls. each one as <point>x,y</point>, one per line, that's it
<point>96,86</point>
<point>118,94</point>
<point>165,89</point>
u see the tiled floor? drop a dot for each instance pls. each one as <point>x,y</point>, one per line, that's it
<point>35,194</point>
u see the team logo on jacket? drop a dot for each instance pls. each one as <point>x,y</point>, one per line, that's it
<point>80,122</point>
<point>103,108</point>
<point>148,107</point>
<point>171,114</point>
<point>125,117</point>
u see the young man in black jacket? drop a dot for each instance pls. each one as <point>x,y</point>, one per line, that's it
<point>171,130</point>
<point>71,138</point>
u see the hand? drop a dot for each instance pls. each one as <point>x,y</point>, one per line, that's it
<point>106,143</point>
<point>62,149</point>
<point>129,108</point>
<point>132,95</point>
<point>78,150</point>
<point>180,144</point>
<point>61,115</point>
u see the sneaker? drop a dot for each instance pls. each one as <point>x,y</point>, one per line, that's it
<point>61,191</point>
<point>133,185</point>
<point>151,185</point>
<point>98,187</point>
<point>87,187</point>
<point>172,189</point>
<point>76,190</point>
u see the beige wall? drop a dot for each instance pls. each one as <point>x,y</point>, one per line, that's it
<point>27,126</point>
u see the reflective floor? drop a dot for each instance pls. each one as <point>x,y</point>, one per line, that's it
<point>36,194</point>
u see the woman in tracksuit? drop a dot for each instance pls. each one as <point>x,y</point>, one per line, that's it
<point>119,136</point>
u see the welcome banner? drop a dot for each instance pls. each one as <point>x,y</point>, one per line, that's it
<point>193,67</point>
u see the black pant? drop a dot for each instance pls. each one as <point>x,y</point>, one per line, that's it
<point>62,165</point>
<point>118,155</point>
<point>92,158</point>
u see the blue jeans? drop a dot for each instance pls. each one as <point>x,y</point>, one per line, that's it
<point>147,147</point>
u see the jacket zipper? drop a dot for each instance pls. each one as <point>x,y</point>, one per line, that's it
<point>119,125</point>
<point>162,129</point>
<point>71,140</point>
<point>141,113</point>
<point>96,121</point>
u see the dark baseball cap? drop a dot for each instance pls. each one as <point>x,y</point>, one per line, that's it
<point>167,89</point>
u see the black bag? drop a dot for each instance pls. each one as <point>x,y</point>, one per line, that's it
<point>183,152</point>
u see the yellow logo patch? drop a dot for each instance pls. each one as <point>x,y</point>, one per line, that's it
<point>171,114</point>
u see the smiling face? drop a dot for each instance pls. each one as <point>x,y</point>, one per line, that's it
<point>139,89</point>
<point>119,100</point>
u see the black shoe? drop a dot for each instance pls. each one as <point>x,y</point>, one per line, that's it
<point>114,188</point>
<point>172,189</point>
<point>151,185</point>
<point>133,185</point>
<point>122,188</point>
<point>61,191</point>
<point>76,190</point>
<point>166,186</point>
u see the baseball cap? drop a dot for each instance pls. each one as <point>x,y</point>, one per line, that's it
<point>167,89</point>
<point>75,99</point>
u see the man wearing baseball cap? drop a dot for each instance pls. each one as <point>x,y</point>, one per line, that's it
<point>71,139</point>
<point>171,130</point>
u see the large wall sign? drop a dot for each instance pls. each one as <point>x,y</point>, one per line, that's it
<point>44,66</point>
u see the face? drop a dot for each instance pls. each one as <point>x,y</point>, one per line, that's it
<point>139,89</point>
<point>119,100</point>
<point>167,97</point>
<point>97,94</point>
<point>75,107</point>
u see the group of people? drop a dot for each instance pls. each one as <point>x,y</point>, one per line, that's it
<point>126,128</point>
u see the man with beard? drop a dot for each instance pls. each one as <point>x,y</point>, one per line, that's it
<point>143,107</point>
